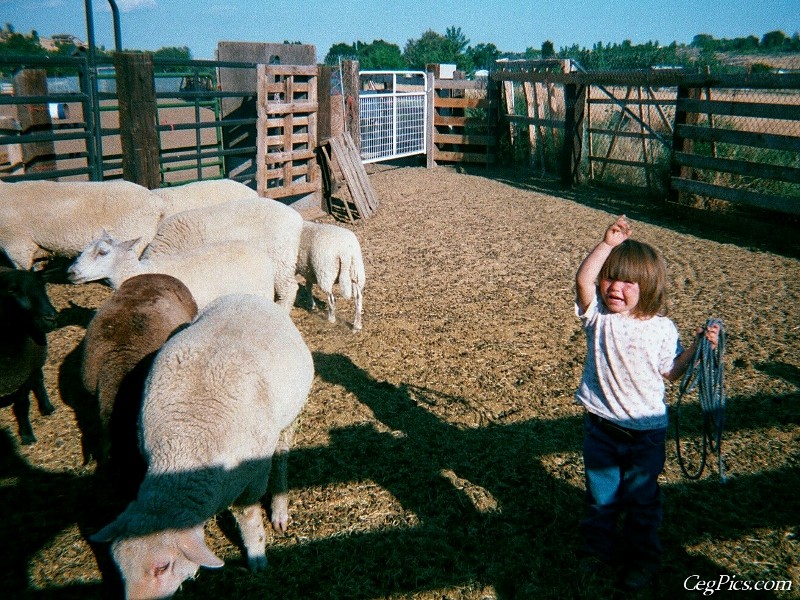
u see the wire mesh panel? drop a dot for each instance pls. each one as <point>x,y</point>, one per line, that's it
<point>393,113</point>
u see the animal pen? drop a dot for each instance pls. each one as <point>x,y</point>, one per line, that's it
<point>694,139</point>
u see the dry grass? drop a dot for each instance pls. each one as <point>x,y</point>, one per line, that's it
<point>439,454</point>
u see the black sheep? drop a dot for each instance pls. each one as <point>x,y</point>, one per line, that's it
<point>26,315</point>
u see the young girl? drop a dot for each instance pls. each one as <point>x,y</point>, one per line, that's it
<point>621,301</point>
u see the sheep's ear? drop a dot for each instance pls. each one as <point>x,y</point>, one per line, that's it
<point>110,532</point>
<point>130,244</point>
<point>192,543</point>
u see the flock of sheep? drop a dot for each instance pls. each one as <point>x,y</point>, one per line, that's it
<point>194,351</point>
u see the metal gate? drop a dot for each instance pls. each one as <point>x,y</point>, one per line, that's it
<point>393,114</point>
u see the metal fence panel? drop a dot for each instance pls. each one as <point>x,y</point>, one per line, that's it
<point>393,114</point>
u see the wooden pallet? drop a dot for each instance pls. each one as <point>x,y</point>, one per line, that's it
<point>344,156</point>
<point>287,131</point>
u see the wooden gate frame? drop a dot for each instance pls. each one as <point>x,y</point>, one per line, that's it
<point>287,132</point>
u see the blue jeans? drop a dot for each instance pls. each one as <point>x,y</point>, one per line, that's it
<point>622,479</point>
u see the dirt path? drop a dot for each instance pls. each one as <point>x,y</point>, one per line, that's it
<point>439,454</point>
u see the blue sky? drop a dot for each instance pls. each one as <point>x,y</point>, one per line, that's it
<point>511,25</point>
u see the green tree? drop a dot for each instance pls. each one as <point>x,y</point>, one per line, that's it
<point>548,50</point>
<point>381,55</point>
<point>482,56</point>
<point>431,48</point>
<point>342,51</point>
<point>774,40</point>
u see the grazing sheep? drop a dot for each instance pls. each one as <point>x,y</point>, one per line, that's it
<point>220,394</point>
<point>26,315</point>
<point>329,253</point>
<point>202,193</point>
<point>208,271</point>
<point>126,331</point>
<point>264,222</point>
<point>40,219</point>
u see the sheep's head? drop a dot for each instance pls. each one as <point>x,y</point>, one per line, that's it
<point>24,295</point>
<point>101,259</point>
<point>155,565</point>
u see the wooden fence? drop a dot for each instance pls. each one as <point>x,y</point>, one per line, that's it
<point>729,138</point>
<point>463,117</point>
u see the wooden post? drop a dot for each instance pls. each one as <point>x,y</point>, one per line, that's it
<point>350,85</point>
<point>324,114</point>
<point>430,78</point>
<point>137,118</point>
<point>575,105</point>
<point>679,143</point>
<point>37,157</point>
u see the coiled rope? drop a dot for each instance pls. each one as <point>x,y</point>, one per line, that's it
<point>706,374</point>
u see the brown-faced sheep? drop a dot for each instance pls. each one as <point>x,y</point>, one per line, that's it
<point>121,340</point>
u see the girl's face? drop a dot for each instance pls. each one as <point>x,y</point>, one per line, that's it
<point>619,296</point>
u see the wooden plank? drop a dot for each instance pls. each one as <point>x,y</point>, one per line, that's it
<point>748,198</point>
<point>470,157</point>
<point>471,140</point>
<point>761,110</point>
<point>769,141</point>
<point>297,189</point>
<point>461,103</point>
<point>361,174</point>
<point>272,158</point>
<point>278,108</point>
<point>739,167</point>
<point>341,154</point>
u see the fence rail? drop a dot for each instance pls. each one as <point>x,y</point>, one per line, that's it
<point>686,137</point>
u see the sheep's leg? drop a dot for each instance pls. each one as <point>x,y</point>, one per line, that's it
<point>42,399</point>
<point>331,307</point>
<point>359,308</point>
<point>279,484</point>
<point>286,292</point>
<point>254,536</point>
<point>310,293</point>
<point>22,407</point>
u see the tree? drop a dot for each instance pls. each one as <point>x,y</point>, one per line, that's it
<point>548,50</point>
<point>774,40</point>
<point>381,55</point>
<point>342,51</point>
<point>482,56</point>
<point>431,48</point>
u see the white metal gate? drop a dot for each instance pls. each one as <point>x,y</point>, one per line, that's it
<point>393,114</point>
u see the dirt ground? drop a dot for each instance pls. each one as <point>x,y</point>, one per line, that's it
<point>439,454</point>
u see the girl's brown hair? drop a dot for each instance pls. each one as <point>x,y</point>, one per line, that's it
<point>640,263</point>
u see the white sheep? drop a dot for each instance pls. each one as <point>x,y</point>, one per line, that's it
<point>209,271</point>
<point>266,223</point>
<point>329,253</point>
<point>40,219</point>
<point>219,396</point>
<point>202,193</point>
<point>120,342</point>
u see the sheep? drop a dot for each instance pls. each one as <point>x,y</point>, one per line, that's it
<point>40,219</point>
<point>271,225</point>
<point>329,253</point>
<point>26,316</point>
<point>208,271</point>
<point>219,403</point>
<point>202,193</point>
<point>125,332</point>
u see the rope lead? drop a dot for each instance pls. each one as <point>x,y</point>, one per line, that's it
<point>706,374</point>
